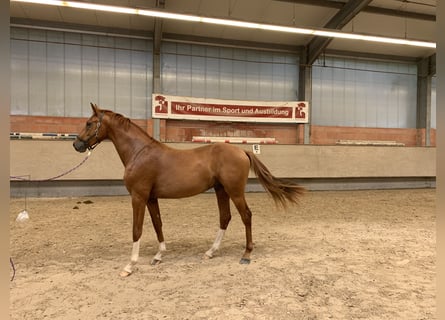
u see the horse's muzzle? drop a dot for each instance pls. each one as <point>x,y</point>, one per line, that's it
<point>80,146</point>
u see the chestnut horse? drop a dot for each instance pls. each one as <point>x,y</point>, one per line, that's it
<point>154,170</point>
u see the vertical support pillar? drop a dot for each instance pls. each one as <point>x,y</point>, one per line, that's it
<point>157,38</point>
<point>305,91</point>
<point>423,108</point>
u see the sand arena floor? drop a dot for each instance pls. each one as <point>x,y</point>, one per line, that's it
<point>339,255</point>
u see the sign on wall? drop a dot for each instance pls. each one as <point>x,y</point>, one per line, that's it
<point>175,107</point>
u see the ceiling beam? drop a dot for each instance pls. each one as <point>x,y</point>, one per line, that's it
<point>401,13</point>
<point>338,21</point>
<point>369,9</point>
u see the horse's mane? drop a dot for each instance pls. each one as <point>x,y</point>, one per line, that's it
<point>121,120</point>
<point>126,123</point>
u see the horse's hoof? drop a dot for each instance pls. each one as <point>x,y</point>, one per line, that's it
<point>206,257</point>
<point>155,262</point>
<point>244,261</point>
<point>125,274</point>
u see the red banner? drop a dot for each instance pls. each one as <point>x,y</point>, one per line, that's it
<point>174,107</point>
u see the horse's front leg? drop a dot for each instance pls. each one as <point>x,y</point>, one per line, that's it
<point>138,220</point>
<point>153,208</point>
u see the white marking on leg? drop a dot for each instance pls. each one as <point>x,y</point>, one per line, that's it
<point>135,251</point>
<point>216,243</point>
<point>127,270</point>
<point>158,257</point>
<point>134,259</point>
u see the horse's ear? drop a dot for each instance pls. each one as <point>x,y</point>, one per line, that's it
<point>95,108</point>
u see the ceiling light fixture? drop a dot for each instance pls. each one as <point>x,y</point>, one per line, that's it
<point>233,23</point>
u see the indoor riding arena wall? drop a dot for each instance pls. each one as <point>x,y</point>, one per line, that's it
<point>340,167</point>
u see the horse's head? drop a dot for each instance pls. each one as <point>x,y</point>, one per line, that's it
<point>92,134</point>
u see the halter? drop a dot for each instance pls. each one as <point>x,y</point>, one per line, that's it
<point>95,134</point>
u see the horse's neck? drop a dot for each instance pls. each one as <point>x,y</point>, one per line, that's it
<point>128,142</point>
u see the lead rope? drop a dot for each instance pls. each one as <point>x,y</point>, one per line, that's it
<point>13,268</point>
<point>55,177</point>
<point>41,180</point>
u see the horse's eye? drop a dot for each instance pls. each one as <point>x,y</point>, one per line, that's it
<point>88,125</point>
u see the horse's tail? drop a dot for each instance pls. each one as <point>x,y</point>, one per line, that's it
<point>282,191</point>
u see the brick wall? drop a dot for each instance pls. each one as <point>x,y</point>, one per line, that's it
<point>329,135</point>
<point>44,124</point>
<point>183,131</point>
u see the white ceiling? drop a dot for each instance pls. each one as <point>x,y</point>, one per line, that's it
<point>264,11</point>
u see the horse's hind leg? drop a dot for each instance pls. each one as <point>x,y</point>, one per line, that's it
<point>224,218</point>
<point>153,208</point>
<point>138,220</point>
<point>246,217</point>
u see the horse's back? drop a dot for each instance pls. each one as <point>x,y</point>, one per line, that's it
<point>217,156</point>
